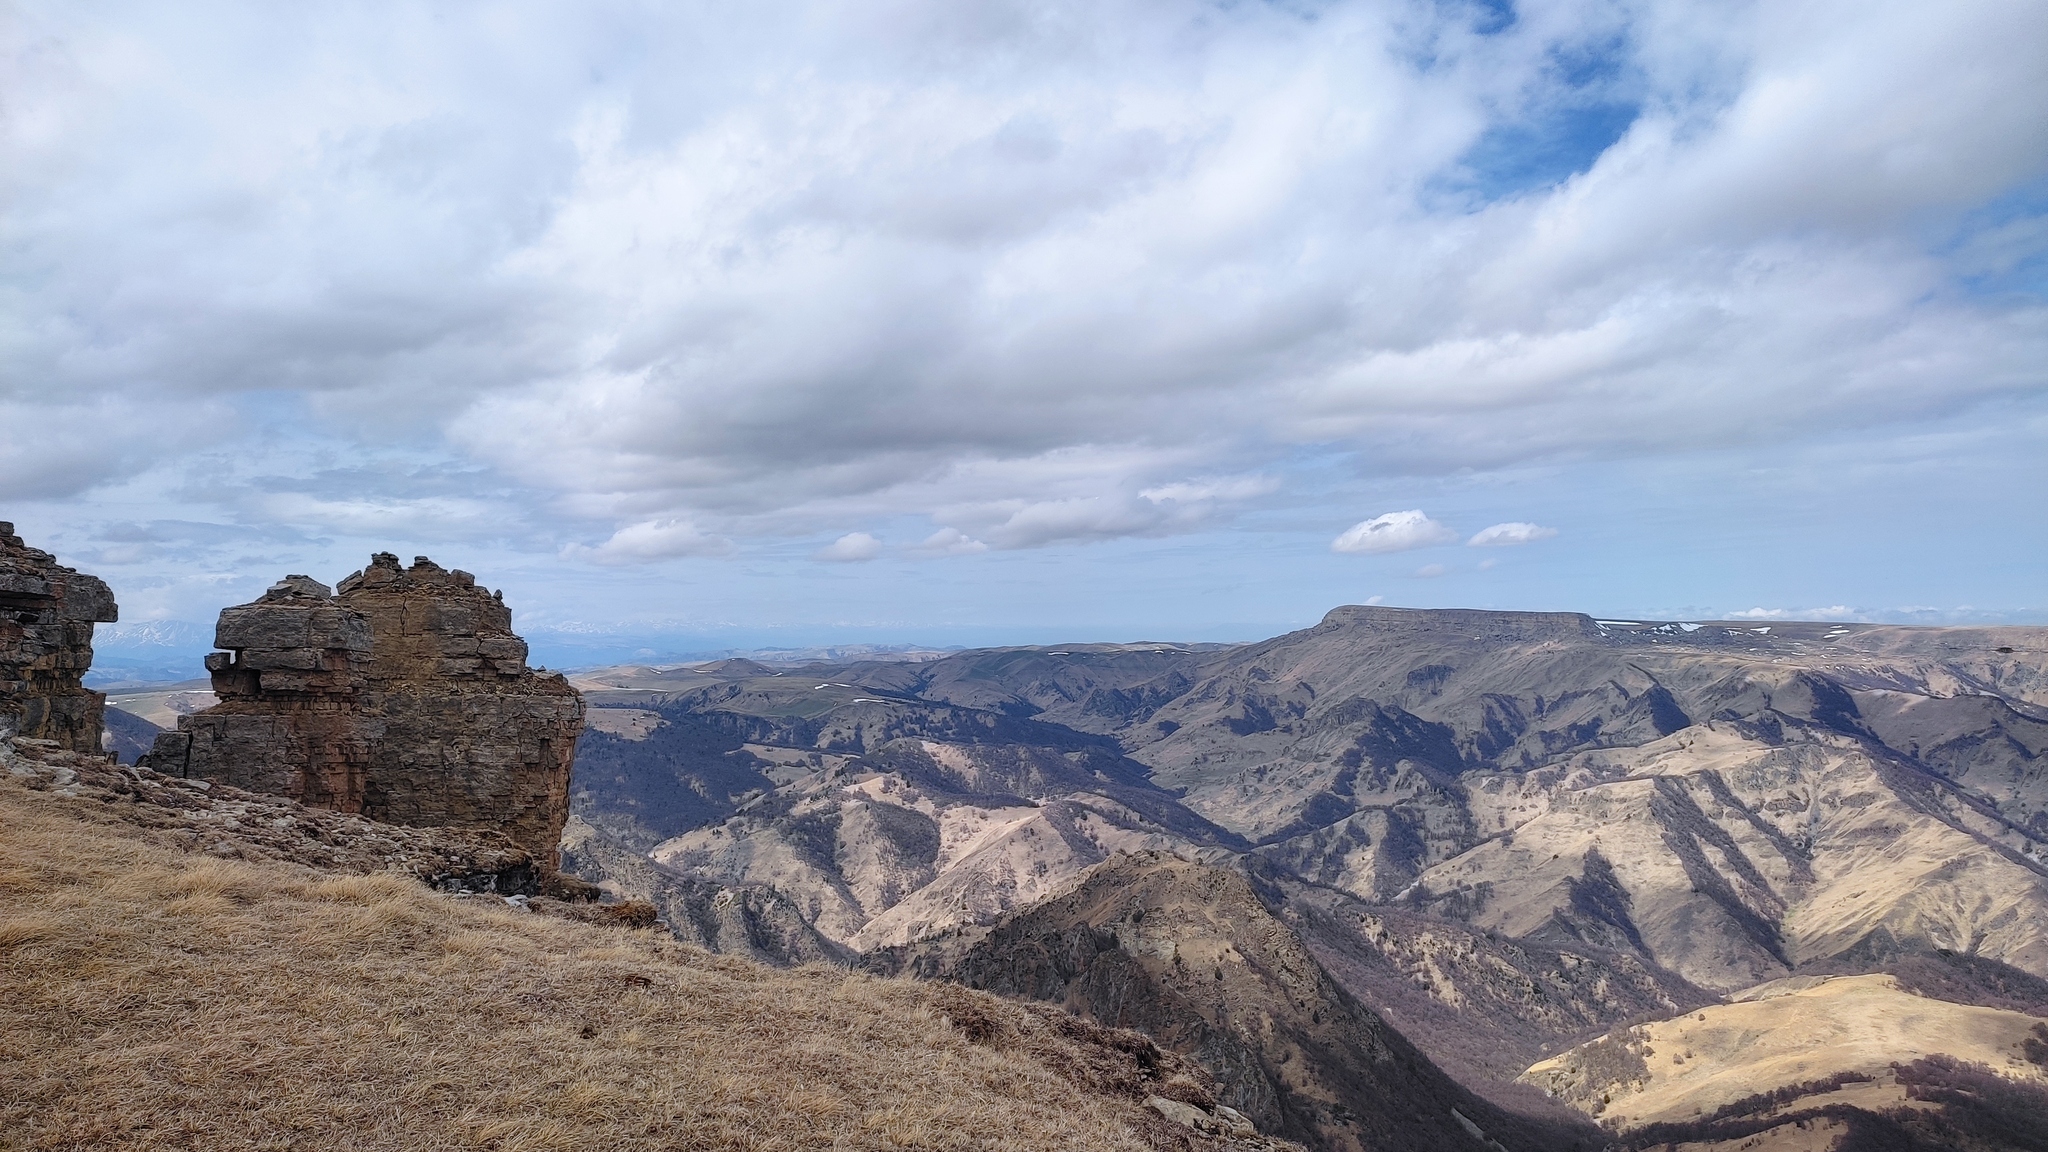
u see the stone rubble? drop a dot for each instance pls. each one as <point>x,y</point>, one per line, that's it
<point>403,695</point>
<point>47,612</point>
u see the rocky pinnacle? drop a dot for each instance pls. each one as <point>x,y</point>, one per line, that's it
<point>402,695</point>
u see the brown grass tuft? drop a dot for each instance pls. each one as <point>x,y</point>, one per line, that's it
<point>160,999</point>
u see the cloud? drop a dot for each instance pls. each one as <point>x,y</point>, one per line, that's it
<point>785,266</point>
<point>951,542</point>
<point>1161,510</point>
<point>1834,612</point>
<point>651,541</point>
<point>1509,534</point>
<point>850,548</point>
<point>1393,532</point>
<point>1429,571</point>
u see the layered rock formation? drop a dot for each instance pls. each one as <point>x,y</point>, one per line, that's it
<point>292,720</point>
<point>46,616</point>
<point>405,697</point>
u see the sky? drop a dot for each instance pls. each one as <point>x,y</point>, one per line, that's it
<point>705,326</point>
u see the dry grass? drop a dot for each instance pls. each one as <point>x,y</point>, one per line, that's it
<point>154,998</point>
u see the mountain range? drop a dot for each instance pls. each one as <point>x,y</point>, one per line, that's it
<point>1498,837</point>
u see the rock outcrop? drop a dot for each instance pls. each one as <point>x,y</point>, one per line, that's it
<point>46,616</point>
<point>404,697</point>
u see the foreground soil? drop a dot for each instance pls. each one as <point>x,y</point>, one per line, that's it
<point>159,996</point>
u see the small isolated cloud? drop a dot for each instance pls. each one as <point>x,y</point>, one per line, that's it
<point>951,542</point>
<point>1510,534</point>
<point>1430,571</point>
<point>850,549</point>
<point>650,541</point>
<point>1488,563</point>
<point>1375,601</point>
<point>1393,532</point>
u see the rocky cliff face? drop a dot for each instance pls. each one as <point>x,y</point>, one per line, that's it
<point>292,718</point>
<point>405,697</point>
<point>472,735</point>
<point>46,616</point>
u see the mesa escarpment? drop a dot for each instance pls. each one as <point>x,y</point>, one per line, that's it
<point>403,696</point>
<point>46,616</point>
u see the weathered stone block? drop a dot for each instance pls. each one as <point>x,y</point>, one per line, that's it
<point>262,625</point>
<point>338,628</point>
<point>451,619</point>
<point>295,659</point>
<point>508,650</point>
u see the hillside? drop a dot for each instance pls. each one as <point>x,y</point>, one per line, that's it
<point>191,967</point>
<point>882,816</point>
<point>1860,1053</point>
<point>1482,1006</point>
<point>1188,954</point>
<point>1711,798</point>
<point>1783,1033</point>
<point>1503,833</point>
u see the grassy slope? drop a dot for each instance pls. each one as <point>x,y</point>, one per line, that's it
<point>161,999</point>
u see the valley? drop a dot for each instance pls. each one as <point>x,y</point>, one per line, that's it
<point>1499,837</point>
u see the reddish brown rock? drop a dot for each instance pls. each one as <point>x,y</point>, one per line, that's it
<point>46,616</point>
<point>405,697</point>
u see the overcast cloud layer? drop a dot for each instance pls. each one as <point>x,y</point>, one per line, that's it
<point>604,288</point>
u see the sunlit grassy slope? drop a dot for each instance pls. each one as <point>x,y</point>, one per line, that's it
<point>157,998</point>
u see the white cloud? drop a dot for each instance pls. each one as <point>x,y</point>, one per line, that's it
<point>951,542</point>
<point>1833,612</point>
<point>1393,532</point>
<point>1161,510</point>
<point>1230,488</point>
<point>785,266</point>
<point>1430,571</point>
<point>850,548</point>
<point>650,541</point>
<point>1511,533</point>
